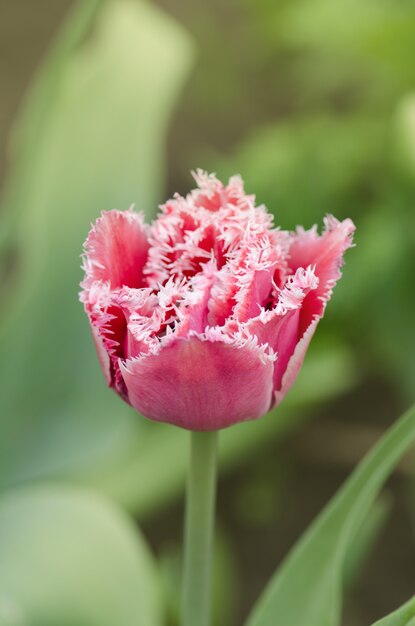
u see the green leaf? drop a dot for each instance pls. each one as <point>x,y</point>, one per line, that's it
<point>405,135</point>
<point>101,145</point>
<point>365,541</point>
<point>69,557</point>
<point>33,119</point>
<point>404,616</point>
<point>307,588</point>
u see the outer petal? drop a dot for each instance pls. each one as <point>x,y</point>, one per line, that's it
<point>116,250</point>
<point>200,384</point>
<point>325,254</point>
<point>295,363</point>
<point>108,325</point>
<point>280,327</point>
<point>282,333</point>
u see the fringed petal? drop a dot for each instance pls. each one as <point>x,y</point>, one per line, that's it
<point>280,326</point>
<point>109,326</point>
<point>325,253</point>
<point>116,250</point>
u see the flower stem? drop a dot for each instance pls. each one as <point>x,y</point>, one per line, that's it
<point>199,525</point>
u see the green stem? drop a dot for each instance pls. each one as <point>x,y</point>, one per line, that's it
<point>199,525</point>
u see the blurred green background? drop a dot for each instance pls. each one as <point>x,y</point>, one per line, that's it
<point>109,103</point>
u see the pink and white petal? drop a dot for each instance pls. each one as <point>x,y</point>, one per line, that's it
<point>102,352</point>
<point>280,328</point>
<point>281,333</point>
<point>109,345</point>
<point>222,298</point>
<point>213,195</point>
<point>194,306</point>
<point>325,253</point>
<point>144,317</point>
<point>108,324</point>
<point>253,293</point>
<point>200,384</point>
<point>116,250</point>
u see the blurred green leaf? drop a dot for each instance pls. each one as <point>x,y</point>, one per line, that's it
<point>405,616</point>
<point>338,55</point>
<point>380,274</point>
<point>306,590</point>
<point>101,145</point>
<point>405,131</point>
<point>304,168</point>
<point>378,41</point>
<point>27,135</point>
<point>376,21</point>
<point>69,557</point>
<point>365,540</point>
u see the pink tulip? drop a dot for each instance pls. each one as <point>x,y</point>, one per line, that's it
<point>203,318</point>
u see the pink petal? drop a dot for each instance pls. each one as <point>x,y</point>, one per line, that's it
<point>254,286</point>
<point>109,326</point>
<point>200,384</point>
<point>116,250</point>
<point>325,253</point>
<point>295,363</point>
<point>285,341</point>
<point>213,195</point>
<point>194,310</point>
<point>103,354</point>
<point>280,327</point>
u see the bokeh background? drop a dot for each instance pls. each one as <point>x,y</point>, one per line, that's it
<point>106,104</point>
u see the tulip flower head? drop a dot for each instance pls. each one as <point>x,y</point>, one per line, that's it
<point>203,318</point>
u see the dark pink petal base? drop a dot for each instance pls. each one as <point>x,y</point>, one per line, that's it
<point>200,384</point>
